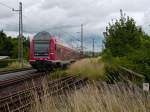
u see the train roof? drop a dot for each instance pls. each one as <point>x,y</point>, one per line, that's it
<point>42,36</point>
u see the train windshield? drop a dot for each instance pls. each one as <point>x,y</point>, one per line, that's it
<point>41,49</point>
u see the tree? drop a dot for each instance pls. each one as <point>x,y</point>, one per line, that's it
<point>9,46</point>
<point>15,48</point>
<point>6,45</point>
<point>26,44</point>
<point>127,45</point>
<point>123,37</point>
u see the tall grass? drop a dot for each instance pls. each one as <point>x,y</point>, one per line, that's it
<point>114,98</point>
<point>57,73</point>
<point>16,65</point>
<point>89,67</point>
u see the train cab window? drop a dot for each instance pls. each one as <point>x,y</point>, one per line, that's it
<point>41,49</point>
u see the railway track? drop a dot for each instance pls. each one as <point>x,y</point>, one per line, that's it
<point>11,77</point>
<point>15,70</point>
<point>22,100</point>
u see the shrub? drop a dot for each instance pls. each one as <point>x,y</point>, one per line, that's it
<point>5,62</point>
<point>92,68</point>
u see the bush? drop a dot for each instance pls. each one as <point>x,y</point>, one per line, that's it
<point>93,68</point>
<point>5,63</point>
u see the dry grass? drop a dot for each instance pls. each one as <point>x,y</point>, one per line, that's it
<point>112,98</point>
<point>16,65</point>
<point>90,67</point>
<point>56,74</point>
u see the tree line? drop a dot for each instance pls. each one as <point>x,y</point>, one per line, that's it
<point>9,46</point>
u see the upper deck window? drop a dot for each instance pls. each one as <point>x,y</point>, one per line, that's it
<point>42,36</point>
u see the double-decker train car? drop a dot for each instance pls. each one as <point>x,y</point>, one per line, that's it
<point>47,53</point>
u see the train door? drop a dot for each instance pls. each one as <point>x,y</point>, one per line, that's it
<point>52,49</point>
<point>31,49</point>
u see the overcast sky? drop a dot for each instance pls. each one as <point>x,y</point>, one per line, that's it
<point>65,16</point>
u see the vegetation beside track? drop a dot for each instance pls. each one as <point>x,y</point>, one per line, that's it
<point>108,98</point>
<point>57,73</point>
<point>93,68</point>
<point>14,64</point>
<point>127,45</point>
<point>9,46</point>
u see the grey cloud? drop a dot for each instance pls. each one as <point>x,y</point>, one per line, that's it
<point>66,16</point>
<point>94,14</point>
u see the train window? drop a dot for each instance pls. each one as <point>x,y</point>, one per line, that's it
<point>41,49</point>
<point>42,36</point>
<point>58,49</point>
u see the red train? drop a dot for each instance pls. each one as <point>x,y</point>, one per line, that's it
<point>47,53</point>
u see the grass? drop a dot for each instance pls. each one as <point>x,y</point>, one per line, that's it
<point>109,98</point>
<point>93,68</point>
<point>57,73</point>
<point>15,65</point>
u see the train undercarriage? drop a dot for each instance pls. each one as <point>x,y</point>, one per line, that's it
<point>49,65</point>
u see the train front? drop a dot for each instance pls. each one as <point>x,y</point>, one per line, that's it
<point>40,50</point>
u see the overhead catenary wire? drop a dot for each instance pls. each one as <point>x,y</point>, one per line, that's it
<point>5,5</point>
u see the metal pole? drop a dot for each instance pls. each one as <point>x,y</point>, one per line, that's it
<point>93,47</point>
<point>19,44</point>
<point>20,38</point>
<point>82,38</point>
<point>21,33</point>
<point>19,41</point>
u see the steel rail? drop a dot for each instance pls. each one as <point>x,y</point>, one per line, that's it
<point>15,70</point>
<point>15,77</point>
<point>54,87</point>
